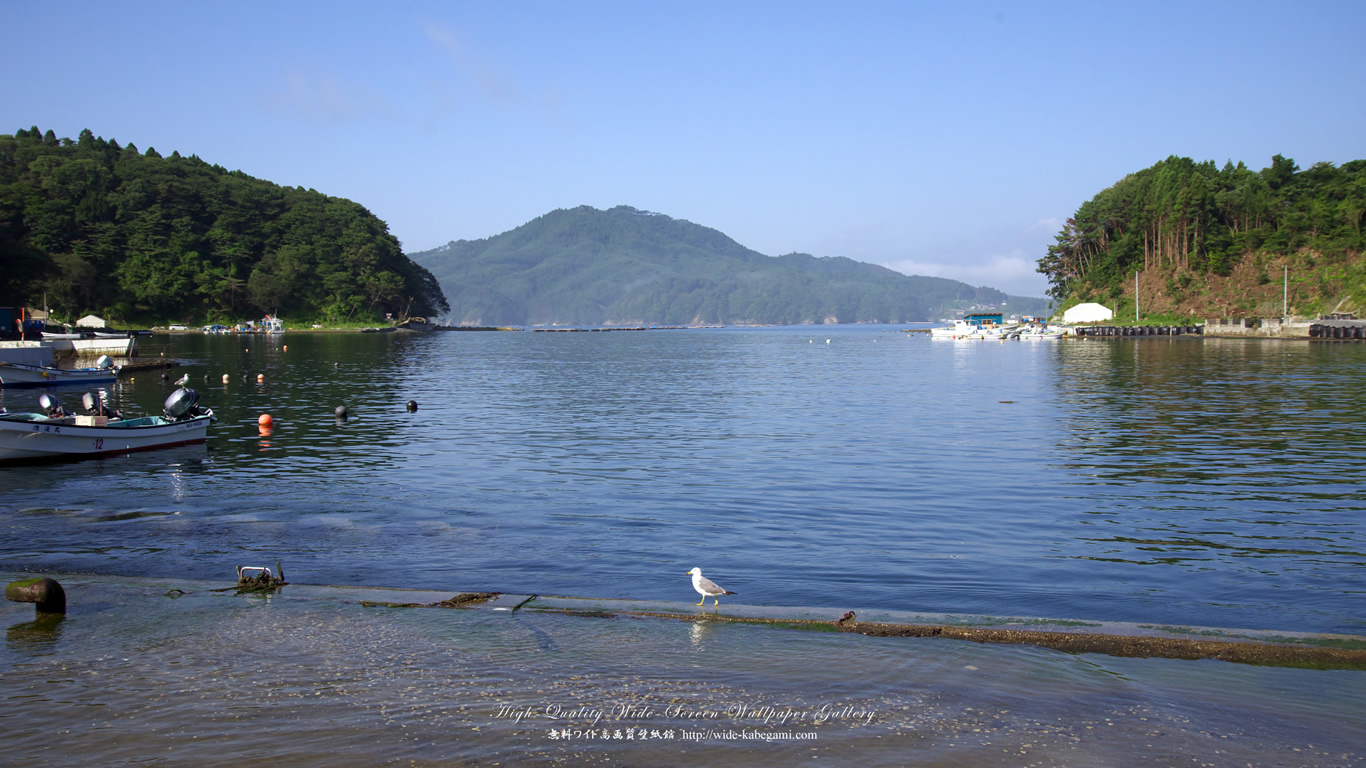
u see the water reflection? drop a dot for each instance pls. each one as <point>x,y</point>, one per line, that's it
<point>1222,457</point>
<point>149,467</point>
<point>37,636</point>
<point>697,634</point>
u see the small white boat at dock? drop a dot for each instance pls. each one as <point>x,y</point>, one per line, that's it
<point>1040,333</point>
<point>989,326</point>
<point>20,375</point>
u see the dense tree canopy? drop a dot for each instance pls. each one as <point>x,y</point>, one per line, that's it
<point>585,266</point>
<point>99,227</point>
<point>1195,219</point>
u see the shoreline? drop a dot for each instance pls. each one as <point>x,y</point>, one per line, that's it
<point>312,675</point>
<point>1270,648</point>
<point>1222,330</point>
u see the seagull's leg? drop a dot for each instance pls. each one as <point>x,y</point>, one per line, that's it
<point>704,599</point>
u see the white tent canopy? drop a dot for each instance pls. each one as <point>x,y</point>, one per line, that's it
<point>1087,313</point>
<point>91,321</point>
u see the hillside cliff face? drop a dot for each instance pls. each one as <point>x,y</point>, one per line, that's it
<point>624,266</point>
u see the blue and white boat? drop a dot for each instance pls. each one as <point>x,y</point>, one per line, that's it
<point>20,375</point>
<point>980,325</point>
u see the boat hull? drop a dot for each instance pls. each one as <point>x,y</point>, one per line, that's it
<point>27,437</point>
<point>26,353</point>
<point>15,375</point>
<point>966,332</point>
<point>122,347</point>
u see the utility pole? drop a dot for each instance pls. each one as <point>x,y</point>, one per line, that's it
<point>1285,297</point>
<point>1135,295</point>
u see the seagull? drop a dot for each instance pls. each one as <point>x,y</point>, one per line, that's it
<point>183,380</point>
<point>706,587</point>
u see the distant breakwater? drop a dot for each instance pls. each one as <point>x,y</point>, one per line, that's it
<point>1137,330</point>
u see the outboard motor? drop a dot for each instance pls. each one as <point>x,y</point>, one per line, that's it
<point>184,404</point>
<point>52,408</point>
<point>94,405</point>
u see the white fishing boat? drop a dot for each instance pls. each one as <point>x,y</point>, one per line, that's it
<point>66,339</point>
<point>973,326</point>
<point>19,375</point>
<point>1041,333</point>
<point>55,434</point>
<point>122,347</point>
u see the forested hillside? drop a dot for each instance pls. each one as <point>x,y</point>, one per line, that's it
<point>1216,241</point>
<point>585,266</point>
<point>98,227</point>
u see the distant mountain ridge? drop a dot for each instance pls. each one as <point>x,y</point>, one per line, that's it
<point>624,266</point>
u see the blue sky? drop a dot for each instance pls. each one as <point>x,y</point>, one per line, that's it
<point>947,139</point>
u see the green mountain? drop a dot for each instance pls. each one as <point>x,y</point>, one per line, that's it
<point>136,237</point>
<point>629,267</point>
<point>1205,241</point>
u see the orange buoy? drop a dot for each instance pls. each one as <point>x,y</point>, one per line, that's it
<point>265,422</point>
<point>286,348</point>
<point>225,378</point>
<point>260,377</point>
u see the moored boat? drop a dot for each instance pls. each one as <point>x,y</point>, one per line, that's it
<point>19,375</point>
<point>1041,332</point>
<point>972,326</point>
<point>26,352</point>
<point>120,347</point>
<point>55,434</point>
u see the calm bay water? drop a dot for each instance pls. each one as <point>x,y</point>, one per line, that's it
<point>1168,481</point>
<point>1175,481</point>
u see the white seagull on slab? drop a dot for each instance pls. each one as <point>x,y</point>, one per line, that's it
<point>706,587</point>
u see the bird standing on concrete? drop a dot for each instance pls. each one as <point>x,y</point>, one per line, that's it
<point>706,587</point>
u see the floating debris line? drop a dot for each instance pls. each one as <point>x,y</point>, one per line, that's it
<point>1256,647</point>
<point>462,600</point>
<point>1138,646</point>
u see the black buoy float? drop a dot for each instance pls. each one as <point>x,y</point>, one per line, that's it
<point>341,412</point>
<point>412,406</point>
<point>47,595</point>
